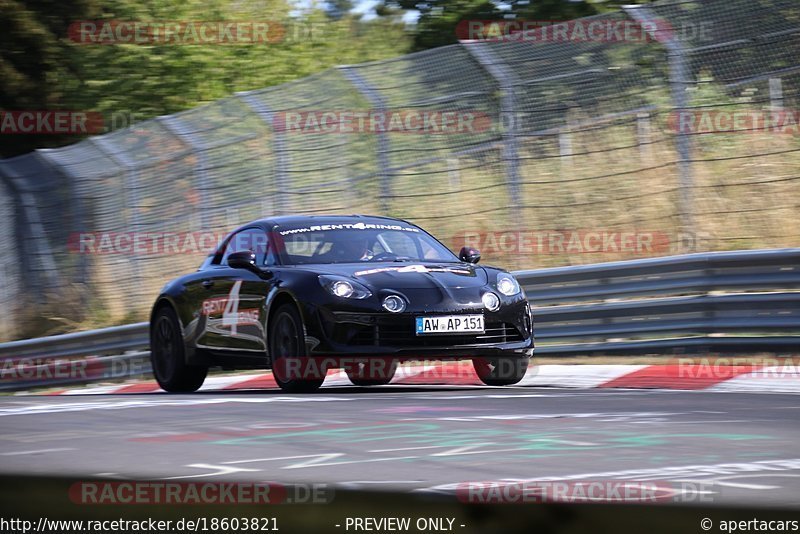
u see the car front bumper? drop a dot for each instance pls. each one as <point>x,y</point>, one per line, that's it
<point>365,333</point>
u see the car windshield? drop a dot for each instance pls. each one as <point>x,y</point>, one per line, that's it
<point>352,243</point>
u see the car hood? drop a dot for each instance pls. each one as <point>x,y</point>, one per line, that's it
<point>421,282</point>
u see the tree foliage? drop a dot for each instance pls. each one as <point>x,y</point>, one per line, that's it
<point>438,19</point>
<point>42,69</point>
<point>37,69</point>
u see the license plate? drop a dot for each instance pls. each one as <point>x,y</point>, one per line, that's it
<point>450,324</point>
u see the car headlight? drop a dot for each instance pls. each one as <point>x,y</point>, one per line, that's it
<point>341,287</point>
<point>507,284</point>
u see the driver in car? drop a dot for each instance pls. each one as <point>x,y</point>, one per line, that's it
<point>354,248</point>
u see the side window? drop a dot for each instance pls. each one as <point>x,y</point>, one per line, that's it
<point>252,239</point>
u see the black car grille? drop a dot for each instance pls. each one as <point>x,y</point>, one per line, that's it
<point>401,333</point>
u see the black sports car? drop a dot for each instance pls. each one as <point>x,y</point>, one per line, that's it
<point>288,292</point>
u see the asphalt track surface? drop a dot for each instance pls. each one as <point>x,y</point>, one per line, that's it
<point>709,447</point>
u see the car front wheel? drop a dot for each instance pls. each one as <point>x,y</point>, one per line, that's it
<point>287,350</point>
<point>369,374</point>
<point>168,355</point>
<point>500,371</point>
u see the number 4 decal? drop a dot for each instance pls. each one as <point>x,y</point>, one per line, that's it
<point>230,315</point>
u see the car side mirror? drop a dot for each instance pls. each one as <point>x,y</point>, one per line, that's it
<point>243,259</point>
<point>469,255</point>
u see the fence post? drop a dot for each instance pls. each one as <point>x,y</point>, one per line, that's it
<point>644,136</point>
<point>776,94</point>
<point>379,105</point>
<point>16,280</point>
<point>565,149</point>
<point>132,195</point>
<point>31,230</point>
<point>508,110</point>
<point>176,127</point>
<point>279,147</point>
<point>81,214</point>
<point>678,82</point>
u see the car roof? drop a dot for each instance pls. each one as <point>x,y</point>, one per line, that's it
<point>269,223</point>
<point>296,220</point>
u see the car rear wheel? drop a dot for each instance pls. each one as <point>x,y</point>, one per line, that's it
<point>367,374</point>
<point>168,355</point>
<point>287,349</point>
<point>500,371</point>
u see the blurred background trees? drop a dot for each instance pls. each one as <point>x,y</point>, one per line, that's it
<point>41,69</point>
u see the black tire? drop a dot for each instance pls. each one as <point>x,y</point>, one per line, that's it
<point>168,355</point>
<point>500,371</point>
<point>358,378</point>
<point>286,341</point>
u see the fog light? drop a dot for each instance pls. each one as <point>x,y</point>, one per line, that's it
<point>394,304</point>
<point>491,301</point>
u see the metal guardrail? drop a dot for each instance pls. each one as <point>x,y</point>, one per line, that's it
<point>744,301</point>
<point>77,358</point>
<point>112,340</point>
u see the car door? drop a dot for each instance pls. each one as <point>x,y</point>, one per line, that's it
<point>234,300</point>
